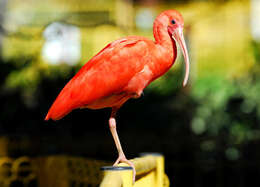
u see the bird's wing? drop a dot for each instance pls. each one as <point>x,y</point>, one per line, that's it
<point>106,73</point>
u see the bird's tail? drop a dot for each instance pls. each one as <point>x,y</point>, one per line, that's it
<point>57,112</point>
<point>61,107</point>
<point>47,117</point>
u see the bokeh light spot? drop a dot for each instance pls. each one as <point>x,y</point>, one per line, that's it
<point>198,126</point>
<point>232,153</point>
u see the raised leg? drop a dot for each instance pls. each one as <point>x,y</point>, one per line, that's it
<point>121,155</point>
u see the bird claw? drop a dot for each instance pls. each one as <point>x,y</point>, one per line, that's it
<point>123,159</point>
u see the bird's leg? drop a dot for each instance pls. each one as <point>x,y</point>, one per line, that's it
<point>121,155</point>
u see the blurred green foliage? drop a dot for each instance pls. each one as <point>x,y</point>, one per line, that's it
<point>228,109</point>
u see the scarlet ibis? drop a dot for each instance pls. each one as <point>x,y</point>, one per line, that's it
<point>122,70</point>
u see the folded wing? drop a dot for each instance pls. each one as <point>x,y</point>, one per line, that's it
<point>106,73</point>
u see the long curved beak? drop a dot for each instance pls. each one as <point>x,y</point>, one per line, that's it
<point>177,35</point>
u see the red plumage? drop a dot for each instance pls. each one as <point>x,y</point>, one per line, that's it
<point>120,71</point>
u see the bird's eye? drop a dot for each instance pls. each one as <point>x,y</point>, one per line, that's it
<point>173,21</point>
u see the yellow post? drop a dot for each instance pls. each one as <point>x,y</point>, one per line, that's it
<point>117,176</point>
<point>149,173</point>
<point>159,174</point>
<point>159,170</point>
<point>127,174</point>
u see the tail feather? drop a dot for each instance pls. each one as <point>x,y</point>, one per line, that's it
<point>61,106</point>
<point>59,109</point>
<point>47,117</point>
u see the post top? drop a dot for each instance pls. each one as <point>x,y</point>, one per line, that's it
<point>115,168</point>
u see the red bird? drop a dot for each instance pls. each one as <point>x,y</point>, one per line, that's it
<point>122,70</point>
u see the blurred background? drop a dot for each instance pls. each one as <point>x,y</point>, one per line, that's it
<point>209,131</point>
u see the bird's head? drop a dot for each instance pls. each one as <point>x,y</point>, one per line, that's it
<point>175,24</point>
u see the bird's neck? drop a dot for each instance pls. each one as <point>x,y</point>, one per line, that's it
<point>164,40</point>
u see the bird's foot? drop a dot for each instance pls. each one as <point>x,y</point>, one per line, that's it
<point>123,159</point>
